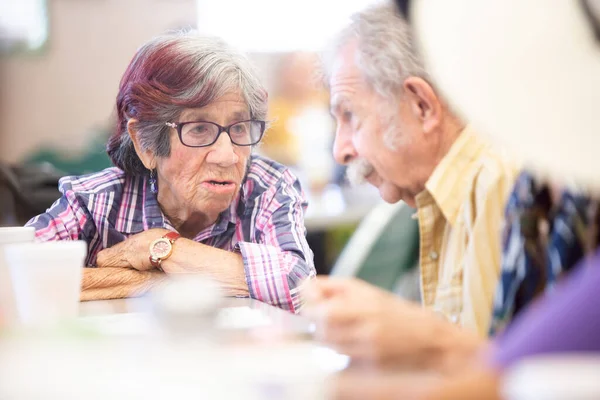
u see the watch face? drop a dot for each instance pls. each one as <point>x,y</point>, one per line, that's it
<point>161,248</point>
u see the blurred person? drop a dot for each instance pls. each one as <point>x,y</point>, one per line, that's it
<point>397,132</point>
<point>292,89</point>
<point>300,133</point>
<point>186,195</point>
<point>549,228</point>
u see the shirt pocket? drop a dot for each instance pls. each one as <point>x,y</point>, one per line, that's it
<point>449,297</point>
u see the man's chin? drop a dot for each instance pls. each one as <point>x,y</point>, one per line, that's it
<point>394,195</point>
<point>390,196</point>
<point>410,201</point>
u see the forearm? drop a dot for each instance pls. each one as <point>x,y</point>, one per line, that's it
<point>451,349</point>
<point>225,267</point>
<point>117,283</point>
<point>483,383</point>
<point>274,275</point>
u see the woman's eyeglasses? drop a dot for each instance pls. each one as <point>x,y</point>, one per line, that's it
<point>205,133</point>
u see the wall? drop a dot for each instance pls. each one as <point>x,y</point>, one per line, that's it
<point>57,97</point>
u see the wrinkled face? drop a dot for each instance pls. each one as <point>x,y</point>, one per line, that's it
<point>205,179</point>
<point>378,139</point>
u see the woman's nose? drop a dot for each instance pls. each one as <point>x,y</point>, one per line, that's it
<point>222,152</point>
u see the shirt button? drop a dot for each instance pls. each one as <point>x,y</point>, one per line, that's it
<point>433,255</point>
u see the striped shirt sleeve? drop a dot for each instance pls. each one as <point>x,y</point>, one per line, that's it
<point>280,259</point>
<point>66,219</point>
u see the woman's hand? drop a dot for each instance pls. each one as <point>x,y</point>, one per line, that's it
<point>117,283</point>
<point>133,252</point>
<point>189,257</point>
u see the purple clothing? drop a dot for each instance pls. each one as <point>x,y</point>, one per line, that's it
<point>566,320</point>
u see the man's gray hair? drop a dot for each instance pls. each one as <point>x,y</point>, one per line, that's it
<point>169,74</point>
<point>386,52</point>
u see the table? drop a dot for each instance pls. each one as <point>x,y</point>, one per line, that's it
<point>280,320</point>
<point>150,365</point>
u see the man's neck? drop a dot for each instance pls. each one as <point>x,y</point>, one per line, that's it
<point>451,129</point>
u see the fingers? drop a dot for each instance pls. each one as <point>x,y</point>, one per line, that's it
<point>123,256</point>
<point>350,316</point>
<point>108,293</point>
<point>113,257</point>
<point>100,278</point>
<point>116,283</point>
<point>130,253</point>
<point>330,286</point>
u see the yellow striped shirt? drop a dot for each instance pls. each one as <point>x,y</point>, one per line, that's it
<point>461,213</point>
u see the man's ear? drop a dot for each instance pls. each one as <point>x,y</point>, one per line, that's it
<point>423,102</point>
<point>147,157</point>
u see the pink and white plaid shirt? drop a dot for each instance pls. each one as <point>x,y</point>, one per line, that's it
<point>265,224</point>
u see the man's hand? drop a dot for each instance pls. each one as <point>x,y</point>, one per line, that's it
<point>374,326</point>
<point>117,283</point>
<point>382,384</point>
<point>133,252</point>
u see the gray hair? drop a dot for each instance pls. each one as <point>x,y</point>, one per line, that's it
<point>168,74</point>
<point>386,52</point>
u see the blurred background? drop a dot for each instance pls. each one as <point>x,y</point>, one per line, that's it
<point>60,66</point>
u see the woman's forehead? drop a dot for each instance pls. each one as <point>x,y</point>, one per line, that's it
<point>228,106</point>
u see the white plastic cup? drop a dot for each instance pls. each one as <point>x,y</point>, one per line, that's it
<point>46,278</point>
<point>10,235</point>
<point>554,377</point>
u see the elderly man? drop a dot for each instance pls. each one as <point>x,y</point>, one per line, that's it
<point>396,132</point>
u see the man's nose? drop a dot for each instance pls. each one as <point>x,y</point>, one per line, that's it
<point>343,148</point>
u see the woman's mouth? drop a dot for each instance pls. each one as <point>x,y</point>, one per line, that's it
<point>219,186</point>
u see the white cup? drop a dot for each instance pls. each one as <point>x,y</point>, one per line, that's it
<point>554,377</point>
<point>10,235</point>
<point>46,278</point>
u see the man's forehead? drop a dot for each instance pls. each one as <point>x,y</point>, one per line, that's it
<point>344,65</point>
<point>346,79</point>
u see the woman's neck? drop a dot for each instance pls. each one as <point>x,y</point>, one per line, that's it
<point>188,224</point>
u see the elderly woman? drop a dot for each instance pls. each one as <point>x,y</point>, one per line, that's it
<point>187,195</point>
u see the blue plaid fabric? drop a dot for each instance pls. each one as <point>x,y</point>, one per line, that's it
<point>541,241</point>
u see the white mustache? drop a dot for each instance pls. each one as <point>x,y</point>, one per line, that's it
<point>358,171</point>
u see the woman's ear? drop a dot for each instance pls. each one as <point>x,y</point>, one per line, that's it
<point>146,156</point>
<point>424,103</point>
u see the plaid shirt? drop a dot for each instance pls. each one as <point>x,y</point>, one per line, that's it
<point>265,224</point>
<point>542,241</point>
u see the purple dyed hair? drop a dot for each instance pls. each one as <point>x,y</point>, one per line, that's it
<point>169,74</point>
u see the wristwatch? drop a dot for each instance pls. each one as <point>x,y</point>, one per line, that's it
<point>161,248</point>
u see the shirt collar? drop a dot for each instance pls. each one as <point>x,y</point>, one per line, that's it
<point>451,182</point>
